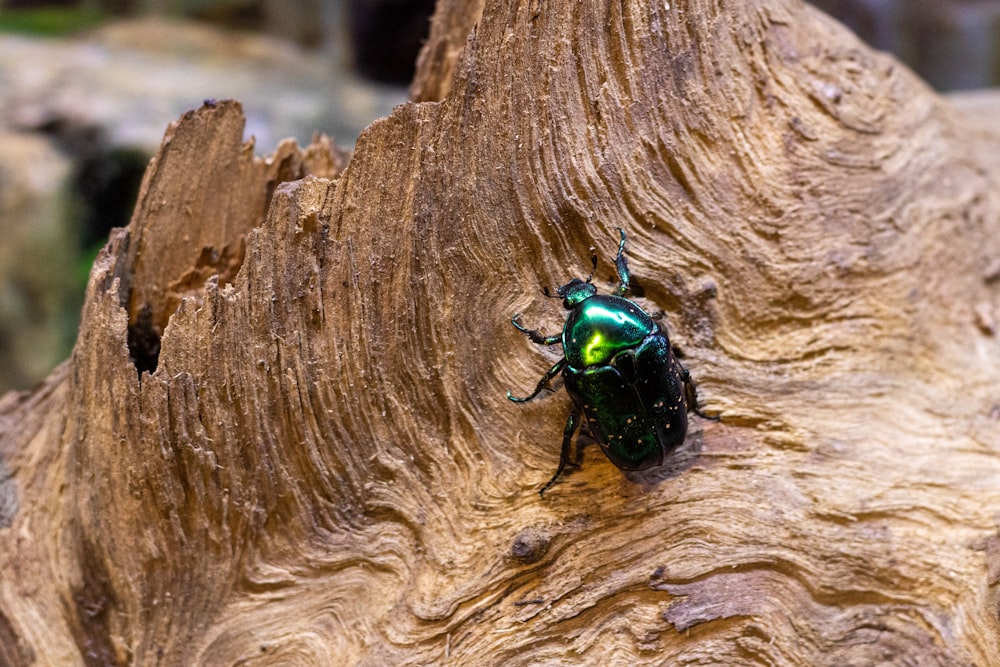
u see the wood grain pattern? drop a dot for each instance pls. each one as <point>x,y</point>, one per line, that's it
<point>322,467</point>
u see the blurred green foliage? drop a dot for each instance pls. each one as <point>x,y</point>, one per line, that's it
<point>50,21</point>
<point>83,265</point>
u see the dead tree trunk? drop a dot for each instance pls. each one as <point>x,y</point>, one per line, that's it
<point>283,434</point>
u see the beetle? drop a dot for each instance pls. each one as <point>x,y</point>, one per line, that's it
<point>620,371</point>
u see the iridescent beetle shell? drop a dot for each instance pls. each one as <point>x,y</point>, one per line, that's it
<point>621,373</point>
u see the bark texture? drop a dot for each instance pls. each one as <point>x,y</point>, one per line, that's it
<point>283,436</point>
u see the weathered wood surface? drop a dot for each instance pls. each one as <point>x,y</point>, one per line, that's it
<point>323,469</point>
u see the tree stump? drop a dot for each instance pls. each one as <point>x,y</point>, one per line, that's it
<point>283,436</point>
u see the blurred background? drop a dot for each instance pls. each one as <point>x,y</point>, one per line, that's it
<point>87,88</point>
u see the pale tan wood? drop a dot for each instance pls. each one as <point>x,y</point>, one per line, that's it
<point>323,468</point>
<point>451,26</point>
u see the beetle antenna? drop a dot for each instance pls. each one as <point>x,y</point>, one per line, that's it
<point>593,261</point>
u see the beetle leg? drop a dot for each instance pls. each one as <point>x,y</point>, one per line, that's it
<point>552,372</point>
<point>535,335</point>
<point>691,394</point>
<point>622,266</point>
<point>571,423</point>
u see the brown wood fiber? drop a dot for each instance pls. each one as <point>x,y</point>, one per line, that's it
<point>323,467</point>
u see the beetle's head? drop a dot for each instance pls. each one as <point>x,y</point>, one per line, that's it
<point>575,292</point>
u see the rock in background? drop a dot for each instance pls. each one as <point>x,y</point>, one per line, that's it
<point>38,295</point>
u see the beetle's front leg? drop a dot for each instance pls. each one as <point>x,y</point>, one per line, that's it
<point>552,372</point>
<point>535,335</point>
<point>571,423</point>
<point>621,265</point>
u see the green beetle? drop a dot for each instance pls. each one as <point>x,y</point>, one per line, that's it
<point>621,372</point>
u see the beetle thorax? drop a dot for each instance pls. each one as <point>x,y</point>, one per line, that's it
<point>601,326</point>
